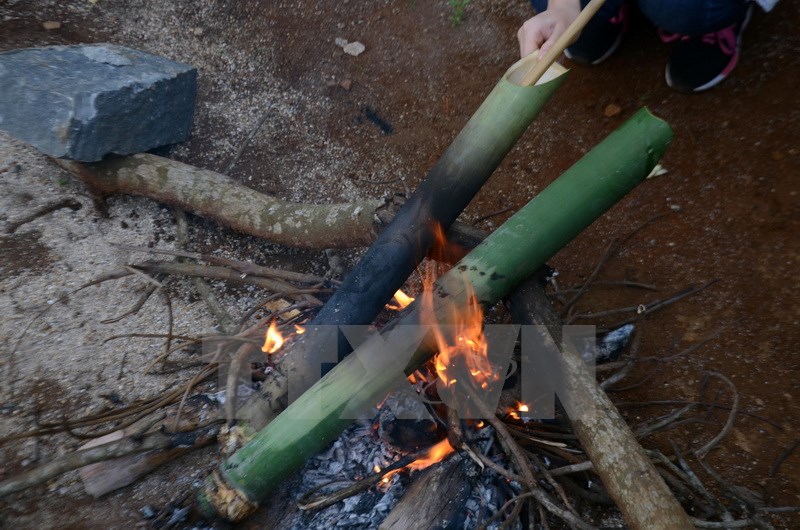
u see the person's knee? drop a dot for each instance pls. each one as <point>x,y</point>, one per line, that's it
<point>692,17</point>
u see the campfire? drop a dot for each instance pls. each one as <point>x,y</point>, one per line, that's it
<point>371,473</point>
<point>362,478</point>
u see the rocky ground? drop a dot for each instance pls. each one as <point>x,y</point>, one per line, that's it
<point>729,196</point>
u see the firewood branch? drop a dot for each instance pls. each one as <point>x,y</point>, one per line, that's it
<point>618,459</point>
<point>216,196</point>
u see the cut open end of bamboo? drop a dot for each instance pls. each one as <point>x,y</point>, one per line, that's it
<point>520,70</point>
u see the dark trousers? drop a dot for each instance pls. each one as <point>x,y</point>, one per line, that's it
<point>687,17</point>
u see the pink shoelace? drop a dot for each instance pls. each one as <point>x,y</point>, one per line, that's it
<point>622,16</point>
<point>724,38</point>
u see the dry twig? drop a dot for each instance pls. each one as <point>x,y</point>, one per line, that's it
<point>703,451</point>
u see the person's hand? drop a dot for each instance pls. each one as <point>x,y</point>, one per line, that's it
<point>541,31</point>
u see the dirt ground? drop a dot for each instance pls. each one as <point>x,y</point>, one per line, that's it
<point>730,200</point>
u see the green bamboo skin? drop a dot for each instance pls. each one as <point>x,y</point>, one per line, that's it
<point>508,256</point>
<point>563,209</point>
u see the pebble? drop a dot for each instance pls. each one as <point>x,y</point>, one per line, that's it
<point>340,42</point>
<point>612,109</point>
<point>355,49</point>
<point>346,84</point>
<point>51,24</point>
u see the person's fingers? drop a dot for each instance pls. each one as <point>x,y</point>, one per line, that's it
<point>531,36</point>
<point>546,45</point>
<point>551,39</point>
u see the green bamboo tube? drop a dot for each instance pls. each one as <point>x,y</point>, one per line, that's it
<point>508,256</point>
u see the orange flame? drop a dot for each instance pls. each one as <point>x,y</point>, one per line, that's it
<point>515,414</point>
<point>273,340</point>
<point>402,300</point>
<point>468,350</point>
<point>435,453</point>
<point>441,247</point>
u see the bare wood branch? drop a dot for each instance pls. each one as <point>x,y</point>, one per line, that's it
<point>242,266</point>
<point>77,459</point>
<point>626,471</point>
<point>216,196</point>
<point>222,273</point>
<point>203,289</point>
<point>703,451</point>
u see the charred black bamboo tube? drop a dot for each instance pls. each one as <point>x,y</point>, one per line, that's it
<point>444,193</point>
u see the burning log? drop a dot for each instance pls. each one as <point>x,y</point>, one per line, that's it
<point>491,271</point>
<point>435,500</point>
<point>625,470</point>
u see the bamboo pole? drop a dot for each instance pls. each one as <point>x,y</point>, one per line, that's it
<point>447,189</point>
<point>494,268</point>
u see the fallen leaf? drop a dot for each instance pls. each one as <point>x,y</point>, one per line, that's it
<point>612,109</point>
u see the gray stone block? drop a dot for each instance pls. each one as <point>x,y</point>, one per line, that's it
<point>83,102</point>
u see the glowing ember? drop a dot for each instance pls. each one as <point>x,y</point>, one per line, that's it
<point>273,340</point>
<point>402,300</point>
<point>522,407</point>
<point>299,330</point>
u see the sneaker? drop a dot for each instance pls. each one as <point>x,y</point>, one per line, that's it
<point>599,39</point>
<point>699,63</point>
